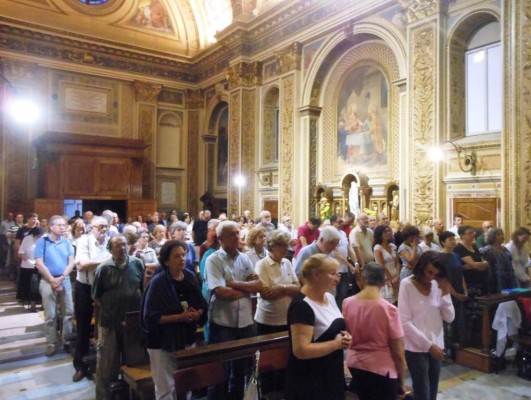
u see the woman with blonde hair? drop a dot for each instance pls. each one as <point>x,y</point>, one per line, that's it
<point>317,335</point>
<point>159,238</point>
<point>256,245</point>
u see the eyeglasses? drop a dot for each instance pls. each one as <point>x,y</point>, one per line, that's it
<point>102,227</point>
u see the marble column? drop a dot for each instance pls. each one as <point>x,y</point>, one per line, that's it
<point>194,102</point>
<point>243,80</point>
<point>516,141</point>
<point>146,115</point>
<point>424,23</point>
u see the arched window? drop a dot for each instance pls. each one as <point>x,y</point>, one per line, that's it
<point>484,80</point>
<point>270,132</point>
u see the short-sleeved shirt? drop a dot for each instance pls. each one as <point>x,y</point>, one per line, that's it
<point>55,254</point>
<point>454,268</point>
<point>88,248</point>
<point>310,235</point>
<point>322,377</point>
<point>27,248</point>
<point>372,323</point>
<point>118,289</point>
<point>272,273</point>
<point>220,269</point>
<point>304,254</point>
<point>364,241</point>
<point>407,269</point>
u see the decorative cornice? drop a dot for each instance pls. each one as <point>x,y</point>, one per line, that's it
<point>289,58</point>
<point>82,50</point>
<point>244,74</point>
<point>146,92</point>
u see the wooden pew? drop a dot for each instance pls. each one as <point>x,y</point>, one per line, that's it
<point>480,358</point>
<point>204,366</point>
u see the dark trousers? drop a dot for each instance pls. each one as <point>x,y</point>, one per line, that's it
<point>371,386</point>
<point>233,389</point>
<point>424,371</point>
<point>274,380</point>
<point>83,310</point>
<point>342,288</point>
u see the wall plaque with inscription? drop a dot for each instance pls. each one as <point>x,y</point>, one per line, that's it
<point>87,100</point>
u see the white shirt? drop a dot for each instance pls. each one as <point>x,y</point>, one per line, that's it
<point>27,247</point>
<point>422,316</point>
<point>88,248</point>
<point>424,247</point>
<point>272,273</point>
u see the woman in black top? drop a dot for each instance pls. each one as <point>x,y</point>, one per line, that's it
<point>172,309</point>
<point>475,272</point>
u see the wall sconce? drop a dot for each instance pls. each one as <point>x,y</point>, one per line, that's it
<point>467,161</point>
<point>266,179</point>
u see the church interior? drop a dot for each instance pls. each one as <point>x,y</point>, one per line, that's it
<point>420,109</point>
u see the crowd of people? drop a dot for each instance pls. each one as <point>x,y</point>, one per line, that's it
<point>349,289</point>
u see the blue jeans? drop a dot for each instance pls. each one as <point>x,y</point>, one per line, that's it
<point>237,369</point>
<point>424,371</point>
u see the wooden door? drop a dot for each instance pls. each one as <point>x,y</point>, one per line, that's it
<point>477,210</point>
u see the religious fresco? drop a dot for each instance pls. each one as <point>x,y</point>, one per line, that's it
<point>362,120</point>
<point>153,15</point>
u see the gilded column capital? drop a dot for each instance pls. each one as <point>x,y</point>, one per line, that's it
<point>420,9</point>
<point>244,74</point>
<point>194,99</point>
<point>146,92</point>
<point>289,58</point>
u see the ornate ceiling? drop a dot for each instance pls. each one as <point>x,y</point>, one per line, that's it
<point>175,28</point>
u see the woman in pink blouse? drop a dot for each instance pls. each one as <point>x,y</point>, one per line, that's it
<point>375,357</point>
<point>423,303</point>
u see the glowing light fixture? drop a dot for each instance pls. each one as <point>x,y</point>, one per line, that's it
<point>23,111</point>
<point>467,161</point>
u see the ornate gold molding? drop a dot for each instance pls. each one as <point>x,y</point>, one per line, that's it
<point>234,150</point>
<point>146,92</point>
<point>244,74</point>
<point>289,58</point>
<point>248,146</point>
<point>423,117</point>
<point>420,9</point>
<point>287,149</point>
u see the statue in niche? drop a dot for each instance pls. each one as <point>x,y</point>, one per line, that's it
<point>353,198</point>
<point>394,206</point>
<point>324,207</point>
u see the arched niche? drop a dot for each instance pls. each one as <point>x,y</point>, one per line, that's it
<point>170,140</point>
<point>392,195</point>
<point>356,192</point>
<point>217,152</point>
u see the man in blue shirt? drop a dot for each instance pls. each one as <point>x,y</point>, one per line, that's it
<point>54,258</point>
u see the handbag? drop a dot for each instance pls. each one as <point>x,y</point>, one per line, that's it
<point>252,389</point>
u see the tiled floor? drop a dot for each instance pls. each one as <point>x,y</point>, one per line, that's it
<point>25,373</point>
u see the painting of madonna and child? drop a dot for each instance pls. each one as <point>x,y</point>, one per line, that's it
<point>362,121</point>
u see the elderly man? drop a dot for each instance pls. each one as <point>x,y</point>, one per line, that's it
<point>486,226</point>
<point>342,253</point>
<point>383,219</point>
<point>361,239</point>
<point>54,258</point>
<point>200,228</point>
<point>287,226</point>
<point>326,243</point>
<point>231,281</point>
<point>91,251</point>
<point>265,222</point>
<point>117,289</point>
<point>373,222</point>
<point>438,228</point>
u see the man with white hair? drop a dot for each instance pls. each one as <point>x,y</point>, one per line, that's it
<point>91,251</point>
<point>265,222</point>
<point>361,238</point>
<point>231,280</point>
<point>325,244</point>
